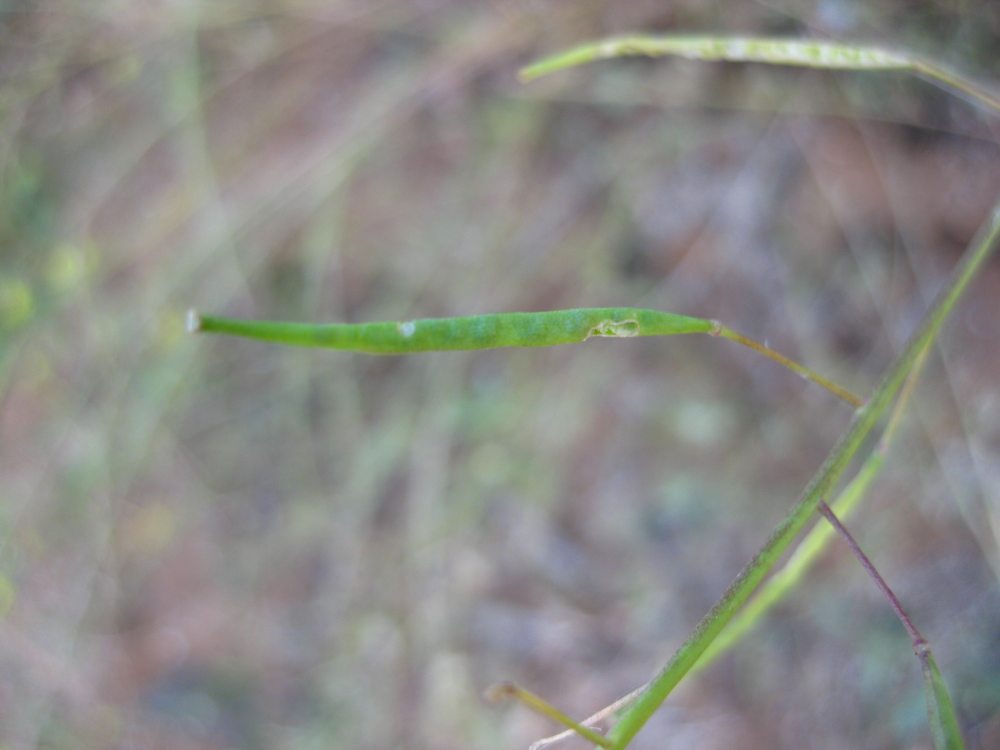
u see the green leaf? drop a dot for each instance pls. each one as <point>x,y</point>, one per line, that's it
<point>940,709</point>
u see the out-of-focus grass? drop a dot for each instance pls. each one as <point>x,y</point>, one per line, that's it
<point>222,544</point>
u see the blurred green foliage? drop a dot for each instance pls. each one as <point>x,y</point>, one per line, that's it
<point>220,544</point>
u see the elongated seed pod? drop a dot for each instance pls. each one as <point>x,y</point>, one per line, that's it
<point>469,332</point>
<point>798,52</point>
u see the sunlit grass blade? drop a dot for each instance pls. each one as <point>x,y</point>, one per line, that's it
<point>497,330</point>
<point>808,53</point>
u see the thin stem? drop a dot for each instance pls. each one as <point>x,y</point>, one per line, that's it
<point>956,82</point>
<point>805,372</point>
<point>612,708</point>
<point>919,642</point>
<point>508,691</point>
<point>945,729</point>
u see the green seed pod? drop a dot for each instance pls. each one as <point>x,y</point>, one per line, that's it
<point>468,332</point>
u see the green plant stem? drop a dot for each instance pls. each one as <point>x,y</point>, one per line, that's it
<point>916,638</point>
<point>822,483</point>
<point>795,367</point>
<point>816,541</point>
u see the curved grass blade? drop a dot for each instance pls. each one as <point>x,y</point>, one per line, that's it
<point>808,53</point>
<point>496,330</point>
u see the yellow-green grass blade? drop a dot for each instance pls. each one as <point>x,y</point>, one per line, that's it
<point>802,53</point>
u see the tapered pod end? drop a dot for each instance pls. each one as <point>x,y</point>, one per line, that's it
<point>500,692</point>
<point>193,324</point>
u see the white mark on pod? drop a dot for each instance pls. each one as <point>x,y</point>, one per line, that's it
<point>406,329</point>
<point>615,328</point>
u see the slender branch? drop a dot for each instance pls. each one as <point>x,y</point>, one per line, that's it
<point>940,709</point>
<point>919,642</point>
<point>802,370</point>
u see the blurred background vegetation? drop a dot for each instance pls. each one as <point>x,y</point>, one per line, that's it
<point>208,543</point>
